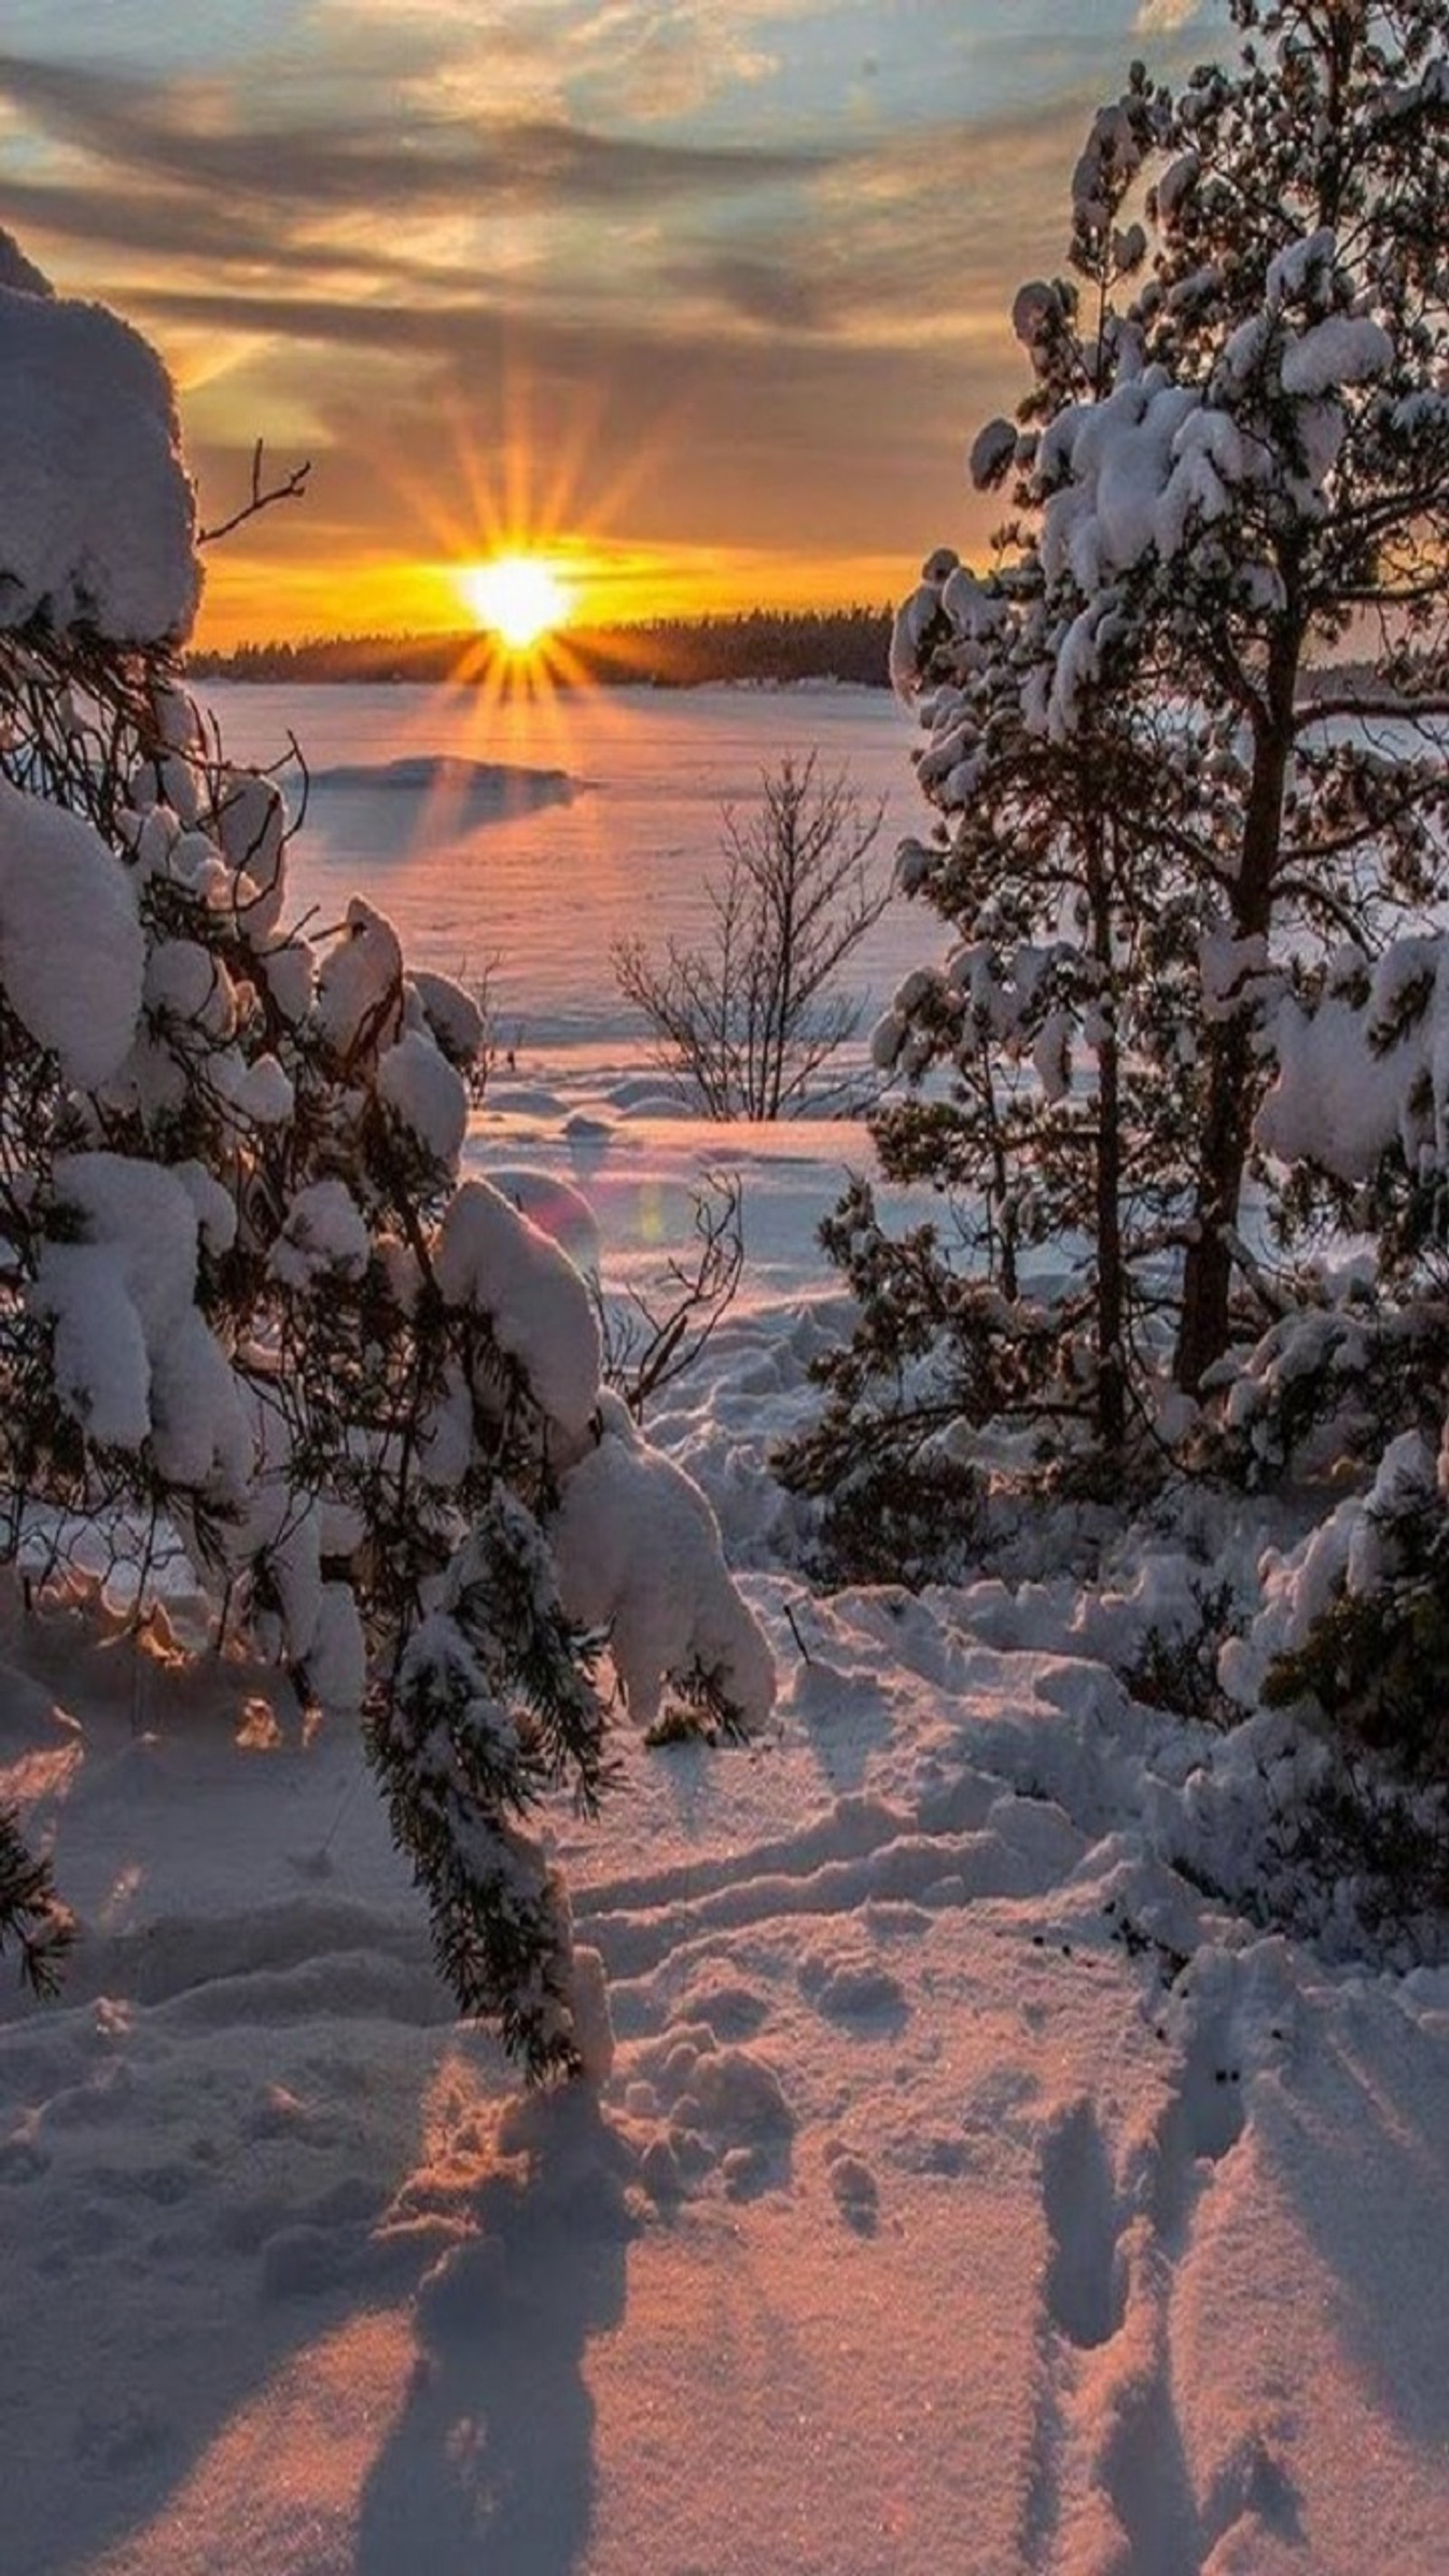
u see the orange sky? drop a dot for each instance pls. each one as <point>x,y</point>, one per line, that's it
<point>706,299</point>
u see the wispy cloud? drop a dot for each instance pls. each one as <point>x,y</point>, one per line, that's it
<point>155,135</point>
<point>1165,17</point>
<point>647,59</point>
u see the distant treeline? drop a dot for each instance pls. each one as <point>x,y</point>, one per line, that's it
<point>850,644</point>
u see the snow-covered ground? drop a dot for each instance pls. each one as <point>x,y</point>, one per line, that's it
<point>970,2192</point>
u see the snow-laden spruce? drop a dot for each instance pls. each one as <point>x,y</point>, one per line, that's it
<point>251,1303</point>
<point>1175,851</point>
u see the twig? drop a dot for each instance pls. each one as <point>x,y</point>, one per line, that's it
<point>289,488</point>
<point>805,1655</point>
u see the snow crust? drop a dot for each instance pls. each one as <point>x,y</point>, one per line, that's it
<point>1362,1070</point>
<point>1347,349</point>
<point>359,988</point>
<point>992,450</point>
<point>426,1095</point>
<point>451,1012</point>
<point>134,1359</point>
<point>325,1231</point>
<point>1109,160</point>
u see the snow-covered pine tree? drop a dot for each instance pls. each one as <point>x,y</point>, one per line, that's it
<point>248,1296</point>
<point>1285,451</point>
<point>1234,462</point>
<point>1356,1615</point>
<point>1051,1093</point>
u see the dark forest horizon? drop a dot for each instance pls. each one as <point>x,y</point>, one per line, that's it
<point>850,645</point>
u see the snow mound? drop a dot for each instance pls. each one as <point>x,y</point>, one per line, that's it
<point>470,791</point>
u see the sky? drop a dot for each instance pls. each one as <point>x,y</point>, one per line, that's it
<point>702,298</point>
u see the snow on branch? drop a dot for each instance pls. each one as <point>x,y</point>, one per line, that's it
<point>96,510</point>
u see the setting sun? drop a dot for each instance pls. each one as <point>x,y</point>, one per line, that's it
<point>518,596</point>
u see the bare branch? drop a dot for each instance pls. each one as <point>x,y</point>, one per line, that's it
<point>1366,708</point>
<point>646,1347</point>
<point>748,1020</point>
<point>290,487</point>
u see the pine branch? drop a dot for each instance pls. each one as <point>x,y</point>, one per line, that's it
<point>31,1914</point>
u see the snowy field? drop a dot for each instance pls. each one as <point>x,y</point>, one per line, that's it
<point>971,2194</point>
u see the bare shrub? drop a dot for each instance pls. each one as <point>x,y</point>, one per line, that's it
<point>749,1021</point>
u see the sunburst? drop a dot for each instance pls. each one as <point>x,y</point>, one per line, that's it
<point>517,597</point>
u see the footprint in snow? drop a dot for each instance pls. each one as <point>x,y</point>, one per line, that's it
<point>854,2187</point>
<point>726,2110</point>
<point>1084,2291</point>
<point>847,1987</point>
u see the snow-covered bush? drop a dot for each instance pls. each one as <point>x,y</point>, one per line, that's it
<point>1163,825</point>
<point>248,1298</point>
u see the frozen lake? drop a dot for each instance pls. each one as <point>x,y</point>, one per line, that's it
<point>523,837</point>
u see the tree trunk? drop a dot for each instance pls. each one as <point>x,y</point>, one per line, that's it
<point>1111,1285</point>
<point>1204,1324</point>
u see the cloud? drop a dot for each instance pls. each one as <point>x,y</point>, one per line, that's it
<point>1165,17</point>
<point>678,441</point>
<point>852,248</point>
<point>768,293</point>
<point>358,232</point>
<point>645,59</point>
<point>154,134</point>
<point>206,236</point>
